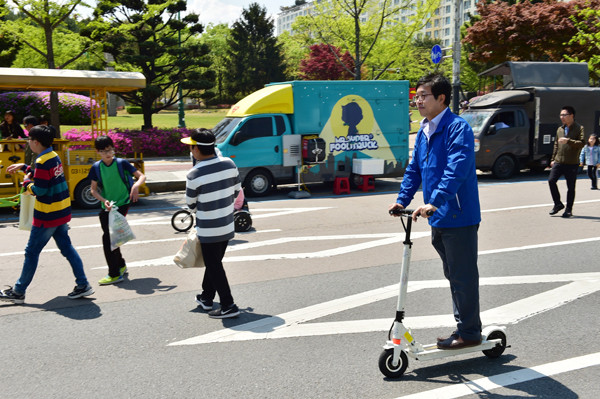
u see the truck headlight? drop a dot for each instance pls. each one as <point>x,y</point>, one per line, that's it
<point>477,145</point>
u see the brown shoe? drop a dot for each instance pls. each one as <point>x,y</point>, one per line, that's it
<point>457,343</point>
<point>454,335</point>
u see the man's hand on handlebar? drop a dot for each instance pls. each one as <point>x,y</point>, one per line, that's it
<point>424,211</point>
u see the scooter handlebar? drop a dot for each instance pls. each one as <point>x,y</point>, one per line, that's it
<point>405,212</point>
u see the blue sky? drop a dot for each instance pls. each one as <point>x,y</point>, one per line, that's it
<point>228,11</point>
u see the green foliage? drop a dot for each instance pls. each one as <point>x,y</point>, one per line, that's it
<point>215,38</point>
<point>148,37</point>
<point>254,55</point>
<point>587,23</point>
<point>293,51</point>
<point>134,109</point>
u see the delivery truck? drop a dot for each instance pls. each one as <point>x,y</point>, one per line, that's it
<point>316,131</point>
<point>515,127</point>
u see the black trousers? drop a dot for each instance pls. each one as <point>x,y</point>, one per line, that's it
<point>114,260</point>
<point>592,175</point>
<point>570,173</point>
<point>215,279</point>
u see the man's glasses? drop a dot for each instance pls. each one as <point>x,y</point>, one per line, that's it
<point>564,115</point>
<point>419,97</point>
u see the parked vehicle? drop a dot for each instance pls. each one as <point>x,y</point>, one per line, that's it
<point>77,156</point>
<point>316,131</point>
<point>515,127</point>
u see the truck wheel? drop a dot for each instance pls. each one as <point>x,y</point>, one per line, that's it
<point>504,167</point>
<point>258,183</point>
<point>83,195</point>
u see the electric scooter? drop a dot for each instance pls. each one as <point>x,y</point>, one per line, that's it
<point>401,345</point>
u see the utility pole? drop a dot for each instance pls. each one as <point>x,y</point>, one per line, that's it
<point>456,56</point>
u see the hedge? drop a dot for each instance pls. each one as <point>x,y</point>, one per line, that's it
<point>74,109</point>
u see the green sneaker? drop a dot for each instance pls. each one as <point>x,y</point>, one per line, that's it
<point>123,271</point>
<point>110,280</point>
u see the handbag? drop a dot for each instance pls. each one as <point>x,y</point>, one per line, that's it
<point>118,228</point>
<point>190,253</point>
<point>26,207</point>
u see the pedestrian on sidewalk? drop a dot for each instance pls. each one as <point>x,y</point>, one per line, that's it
<point>590,156</point>
<point>212,186</point>
<point>443,164</point>
<point>112,184</point>
<point>51,214</point>
<point>565,159</point>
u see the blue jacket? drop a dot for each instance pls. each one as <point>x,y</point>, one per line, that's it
<point>591,155</point>
<point>445,166</point>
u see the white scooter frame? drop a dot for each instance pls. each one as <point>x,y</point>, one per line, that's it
<point>393,361</point>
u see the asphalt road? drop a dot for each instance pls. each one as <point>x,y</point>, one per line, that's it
<point>316,280</point>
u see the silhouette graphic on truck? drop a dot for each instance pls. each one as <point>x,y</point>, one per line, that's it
<point>351,116</point>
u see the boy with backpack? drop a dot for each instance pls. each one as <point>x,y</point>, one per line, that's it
<point>112,181</point>
<point>51,214</point>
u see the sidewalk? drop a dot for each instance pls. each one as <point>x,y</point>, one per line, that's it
<point>166,174</point>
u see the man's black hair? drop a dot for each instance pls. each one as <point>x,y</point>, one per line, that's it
<point>204,136</point>
<point>103,142</point>
<point>439,84</point>
<point>43,118</point>
<point>569,109</point>
<point>30,120</point>
<point>42,134</point>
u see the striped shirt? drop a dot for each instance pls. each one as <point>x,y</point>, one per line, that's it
<point>211,188</point>
<point>53,203</point>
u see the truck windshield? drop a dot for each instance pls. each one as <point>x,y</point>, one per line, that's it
<point>223,128</point>
<point>477,119</point>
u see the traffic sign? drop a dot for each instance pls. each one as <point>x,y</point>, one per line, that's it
<point>436,54</point>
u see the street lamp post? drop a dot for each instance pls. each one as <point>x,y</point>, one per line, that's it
<point>456,56</point>
<point>180,90</point>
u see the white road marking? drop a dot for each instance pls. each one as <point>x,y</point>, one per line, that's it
<point>517,208</point>
<point>488,384</point>
<point>288,324</point>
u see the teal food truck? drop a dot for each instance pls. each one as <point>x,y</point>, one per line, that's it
<point>315,131</point>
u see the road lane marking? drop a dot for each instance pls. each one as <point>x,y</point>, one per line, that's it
<point>517,208</point>
<point>488,384</point>
<point>289,324</point>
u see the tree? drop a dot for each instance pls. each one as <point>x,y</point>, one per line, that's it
<point>293,50</point>
<point>50,18</point>
<point>587,23</point>
<point>254,55</point>
<point>215,38</point>
<point>524,31</point>
<point>149,37</point>
<point>9,45</point>
<point>322,64</point>
<point>366,28</point>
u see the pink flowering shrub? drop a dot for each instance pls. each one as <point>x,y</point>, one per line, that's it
<point>153,142</point>
<point>74,109</point>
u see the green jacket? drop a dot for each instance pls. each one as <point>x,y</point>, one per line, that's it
<point>568,153</point>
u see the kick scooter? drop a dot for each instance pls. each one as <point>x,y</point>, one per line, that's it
<point>401,345</point>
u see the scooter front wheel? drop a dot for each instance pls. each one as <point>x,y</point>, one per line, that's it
<point>386,363</point>
<point>182,220</point>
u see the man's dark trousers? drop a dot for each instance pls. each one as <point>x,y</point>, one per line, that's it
<point>570,173</point>
<point>457,247</point>
<point>215,279</point>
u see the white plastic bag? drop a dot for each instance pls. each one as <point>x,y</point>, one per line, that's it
<point>26,206</point>
<point>190,253</point>
<point>119,229</point>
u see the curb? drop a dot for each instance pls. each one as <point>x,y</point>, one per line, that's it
<point>165,186</point>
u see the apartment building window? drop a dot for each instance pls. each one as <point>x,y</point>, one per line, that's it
<point>436,23</point>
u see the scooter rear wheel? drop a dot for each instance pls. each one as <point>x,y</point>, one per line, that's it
<point>497,350</point>
<point>387,368</point>
<point>182,220</point>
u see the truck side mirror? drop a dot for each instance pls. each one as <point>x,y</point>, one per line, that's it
<point>491,130</point>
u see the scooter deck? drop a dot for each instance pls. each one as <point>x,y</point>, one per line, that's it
<point>431,352</point>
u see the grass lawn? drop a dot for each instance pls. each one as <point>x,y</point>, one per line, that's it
<point>165,119</point>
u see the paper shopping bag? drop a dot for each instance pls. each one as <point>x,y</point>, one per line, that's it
<point>118,228</point>
<point>26,212</point>
<point>190,253</point>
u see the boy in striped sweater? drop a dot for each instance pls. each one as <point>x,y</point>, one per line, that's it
<point>211,189</point>
<point>51,214</point>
